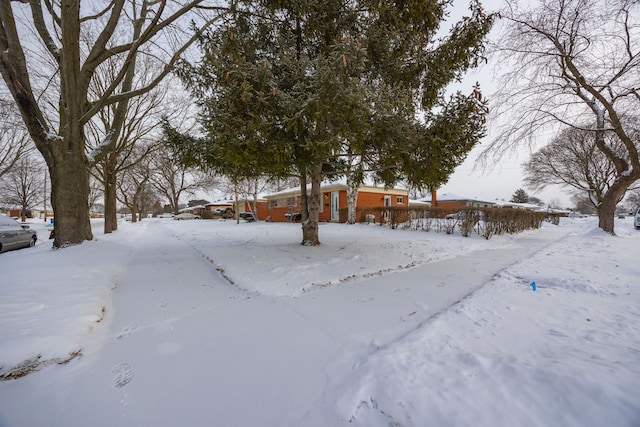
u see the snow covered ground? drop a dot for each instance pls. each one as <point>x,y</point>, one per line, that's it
<point>208,323</point>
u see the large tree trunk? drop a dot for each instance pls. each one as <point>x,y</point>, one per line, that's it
<point>310,226</point>
<point>70,198</point>
<point>606,216</point>
<point>610,200</point>
<point>67,160</point>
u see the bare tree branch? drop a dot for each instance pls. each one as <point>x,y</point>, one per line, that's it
<point>576,63</point>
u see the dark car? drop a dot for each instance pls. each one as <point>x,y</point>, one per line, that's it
<point>247,216</point>
<point>225,213</point>
<point>14,235</point>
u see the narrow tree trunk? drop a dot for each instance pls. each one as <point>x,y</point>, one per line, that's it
<point>352,199</point>
<point>310,226</point>
<point>255,202</point>
<point>237,210</point>
<point>110,204</point>
<point>304,200</point>
<point>134,213</point>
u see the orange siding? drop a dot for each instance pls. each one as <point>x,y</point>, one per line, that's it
<point>277,213</point>
<point>371,200</point>
<point>453,206</point>
<point>366,199</point>
<point>261,212</point>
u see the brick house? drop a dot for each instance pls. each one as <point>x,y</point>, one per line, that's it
<point>285,205</point>
<point>451,203</point>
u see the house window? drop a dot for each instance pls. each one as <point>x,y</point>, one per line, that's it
<point>387,201</point>
<point>399,200</point>
<point>285,202</point>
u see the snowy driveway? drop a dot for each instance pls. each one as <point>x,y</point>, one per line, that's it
<point>227,325</point>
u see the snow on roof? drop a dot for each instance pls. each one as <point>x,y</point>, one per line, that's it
<point>221,203</point>
<point>529,206</point>
<point>189,208</point>
<point>452,197</point>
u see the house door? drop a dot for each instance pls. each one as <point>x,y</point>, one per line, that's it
<point>335,207</point>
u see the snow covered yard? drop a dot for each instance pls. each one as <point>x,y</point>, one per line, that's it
<point>208,323</point>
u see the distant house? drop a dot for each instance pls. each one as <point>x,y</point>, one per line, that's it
<point>419,204</point>
<point>220,204</point>
<point>285,205</point>
<point>196,210</point>
<point>451,202</point>
<point>525,206</point>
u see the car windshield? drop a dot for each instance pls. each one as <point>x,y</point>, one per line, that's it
<point>6,223</point>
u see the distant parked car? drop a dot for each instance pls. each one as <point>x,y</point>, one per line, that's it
<point>457,216</point>
<point>166,215</point>
<point>186,215</point>
<point>14,235</point>
<point>226,213</point>
<point>293,217</point>
<point>636,220</point>
<point>247,216</point>
<point>577,215</point>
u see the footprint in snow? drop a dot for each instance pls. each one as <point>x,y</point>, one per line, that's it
<point>396,290</point>
<point>363,300</point>
<point>237,297</point>
<point>123,375</point>
<point>555,333</point>
<point>163,303</point>
<point>126,332</point>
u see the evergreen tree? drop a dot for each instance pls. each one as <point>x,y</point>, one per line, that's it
<point>520,196</point>
<point>293,88</point>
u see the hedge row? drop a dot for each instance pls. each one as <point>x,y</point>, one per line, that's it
<point>484,221</point>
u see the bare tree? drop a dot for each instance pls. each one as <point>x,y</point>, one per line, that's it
<point>22,185</point>
<point>573,62</point>
<point>583,204</point>
<point>573,160</point>
<point>247,190</point>
<point>50,84</point>
<point>173,181</point>
<point>140,128</point>
<point>96,194</point>
<point>135,191</point>
<point>633,199</point>
<point>14,139</point>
